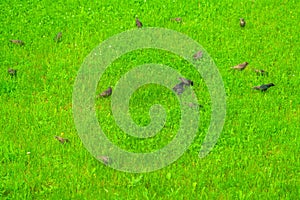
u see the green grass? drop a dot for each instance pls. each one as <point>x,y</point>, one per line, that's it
<point>257,154</point>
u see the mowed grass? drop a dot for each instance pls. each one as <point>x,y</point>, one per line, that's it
<point>257,154</point>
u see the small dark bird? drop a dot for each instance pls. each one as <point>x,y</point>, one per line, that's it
<point>198,55</point>
<point>106,93</point>
<point>58,37</point>
<point>18,42</point>
<point>260,72</point>
<point>263,87</point>
<point>241,66</point>
<point>61,140</point>
<point>179,88</point>
<point>12,72</point>
<point>105,159</point>
<point>186,82</point>
<point>138,23</point>
<point>242,22</point>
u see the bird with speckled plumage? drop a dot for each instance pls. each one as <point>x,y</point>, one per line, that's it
<point>106,93</point>
<point>263,87</point>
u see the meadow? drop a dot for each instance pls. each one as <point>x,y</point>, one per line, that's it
<point>257,153</point>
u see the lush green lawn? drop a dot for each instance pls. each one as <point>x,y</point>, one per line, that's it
<point>257,154</point>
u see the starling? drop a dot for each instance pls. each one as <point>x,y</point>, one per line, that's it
<point>242,22</point>
<point>198,55</point>
<point>260,72</point>
<point>138,23</point>
<point>186,82</point>
<point>57,38</point>
<point>179,88</point>
<point>61,140</point>
<point>263,87</point>
<point>19,42</point>
<point>105,159</point>
<point>241,66</point>
<point>12,72</point>
<point>106,93</point>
